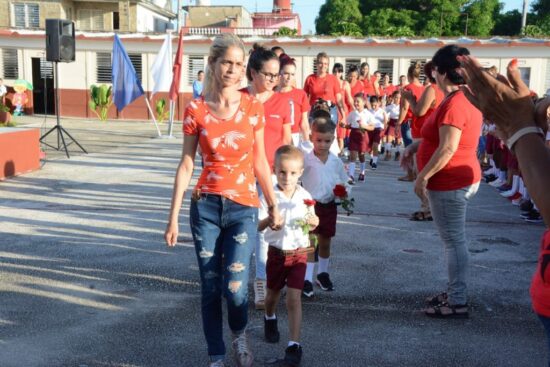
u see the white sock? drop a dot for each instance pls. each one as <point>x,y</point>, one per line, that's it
<point>375,159</point>
<point>363,166</point>
<point>292,342</point>
<point>502,175</point>
<point>388,147</point>
<point>492,163</point>
<point>309,271</point>
<point>515,184</point>
<point>272,317</point>
<point>323,265</point>
<point>351,169</point>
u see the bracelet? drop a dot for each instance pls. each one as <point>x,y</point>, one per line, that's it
<point>521,132</point>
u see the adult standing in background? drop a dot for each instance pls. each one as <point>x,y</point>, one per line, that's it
<point>229,127</point>
<point>449,173</point>
<point>197,84</point>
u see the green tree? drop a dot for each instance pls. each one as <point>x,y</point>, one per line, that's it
<point>333,12</point>
<point>481,17</point>
<point>285,31</point>
<point>347,29</point>
<point>541,7</point>
<point>508,24</point>
<point>390,22</point>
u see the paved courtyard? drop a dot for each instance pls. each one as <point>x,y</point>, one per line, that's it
<point>86,280</point>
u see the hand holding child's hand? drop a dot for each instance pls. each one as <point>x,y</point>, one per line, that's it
<point>275,219</point>
<point>313,221</point>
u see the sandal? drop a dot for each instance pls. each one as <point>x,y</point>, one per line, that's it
<point>436,299</point>
<point>421,216</point>
<point>444,310</point>
<point>405,178</point>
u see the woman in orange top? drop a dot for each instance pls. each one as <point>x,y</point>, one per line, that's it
<point>422,109</point>
<point>229,127</point>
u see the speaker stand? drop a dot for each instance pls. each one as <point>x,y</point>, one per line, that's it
<point>58,128</point>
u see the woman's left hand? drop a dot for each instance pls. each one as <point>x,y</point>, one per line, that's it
<point>420,187</point>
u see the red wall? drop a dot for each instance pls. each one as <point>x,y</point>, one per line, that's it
<point>19,151</point>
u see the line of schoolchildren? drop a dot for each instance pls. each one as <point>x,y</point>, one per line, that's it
<point>315,164</point>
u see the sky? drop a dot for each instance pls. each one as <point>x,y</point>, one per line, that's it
<point>308,9</point>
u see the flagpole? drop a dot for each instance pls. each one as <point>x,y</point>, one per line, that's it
<point>171,123</point>
<point>152,115</point>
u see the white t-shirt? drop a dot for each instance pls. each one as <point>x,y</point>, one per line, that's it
<point>293,210</point>
<point>393,111</point>
<point>3,90</point>
<point>360,119</point>
<point>379,117</point>
<point>320,178</point>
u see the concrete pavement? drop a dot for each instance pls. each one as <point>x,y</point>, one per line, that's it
<point>86,280</point>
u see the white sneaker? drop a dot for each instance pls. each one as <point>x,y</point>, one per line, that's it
<point>496,183</point>
<point>517,202</point>
<point>259,294</point>
<point>508,193</point>
<point>218,363</point>
<point>241,351</point>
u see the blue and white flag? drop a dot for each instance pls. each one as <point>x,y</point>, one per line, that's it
<point>126,84</point>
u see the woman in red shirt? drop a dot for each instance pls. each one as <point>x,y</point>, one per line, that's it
<point>450,174</point>
<point>368,80</point>
<point>229,127</point>
<point>406,116</point>
<point>300,104</point>
<point>422,109</point>
<point>341,131</point>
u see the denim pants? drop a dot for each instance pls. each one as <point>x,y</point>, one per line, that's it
<point>449,214</point>
<point>406,133</point>
<point>546,323</point>
<point>224,233</point>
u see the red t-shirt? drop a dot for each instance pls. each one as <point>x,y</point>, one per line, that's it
<point>418,121</point>
<point>277,114</point>
<point>226,146</point>
<point>540,285</point>
<point>357,88</point>
<point>326,88</point>
<point>368,86</point>
<point>417,91</point>
<point>463,168</point>
<point>300,104</point>
<point>387,90</point>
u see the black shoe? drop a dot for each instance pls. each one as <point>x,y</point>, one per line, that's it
<point>370,162</point>
<point>397,155</point>
<point>382,150</point>
<point>490,178</point>
<point>531,213</point>
<point>271,332</point>
<point>534,217</point>
<point>308,289</point>
<point>374,166</point>
<point>526,206</point>
<point>293,355</point>
<point>323,281</point>
<point>361,177</point>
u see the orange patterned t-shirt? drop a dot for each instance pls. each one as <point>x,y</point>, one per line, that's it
<point>227,148</point>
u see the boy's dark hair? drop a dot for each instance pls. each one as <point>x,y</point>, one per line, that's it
<point>288,152</point>
<point>428,68</point>
<point>258,56</point>
<point>360,95</point>
<point>446,62</point>
<point>374,99</point>
<point>323,125</point>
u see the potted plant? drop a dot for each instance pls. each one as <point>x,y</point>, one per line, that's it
<point>100,99</point>
<point>162,113</point>
<point>5,115</point>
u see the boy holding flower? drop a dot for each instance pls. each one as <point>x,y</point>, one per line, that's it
<point>323,171</point>
<point>288,248</point>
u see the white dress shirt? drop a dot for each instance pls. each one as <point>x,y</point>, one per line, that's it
<point>393,111</point>
<point>379,117</point>
<point>293,210</point>
<point>358,119</point>
<point>320,178</point>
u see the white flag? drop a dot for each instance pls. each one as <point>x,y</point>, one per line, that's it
<point>161,70</point>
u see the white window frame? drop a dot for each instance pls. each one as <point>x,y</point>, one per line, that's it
<point>30,20</point>
<point>90,20</point>
<point>194,65</point>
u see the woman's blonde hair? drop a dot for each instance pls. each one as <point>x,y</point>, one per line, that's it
<point>219,47</point>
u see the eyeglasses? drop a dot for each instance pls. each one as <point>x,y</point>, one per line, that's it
<point>269,76</point>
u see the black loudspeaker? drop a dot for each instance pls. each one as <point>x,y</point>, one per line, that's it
<point>60,43</point>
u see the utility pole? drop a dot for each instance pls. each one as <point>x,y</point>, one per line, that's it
<point>524,16</point>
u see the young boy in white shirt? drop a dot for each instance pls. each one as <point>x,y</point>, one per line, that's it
<point>380,121</point>
<point>359,121</point>
<point>391,136</point>
<point>322,172</point>
<point>288,248</point>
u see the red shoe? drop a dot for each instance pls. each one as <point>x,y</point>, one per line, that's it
<point>516,196</point>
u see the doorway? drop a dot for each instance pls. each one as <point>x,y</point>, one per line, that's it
<point>42,81</point>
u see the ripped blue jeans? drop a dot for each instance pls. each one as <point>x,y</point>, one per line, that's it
<point>224,233</point>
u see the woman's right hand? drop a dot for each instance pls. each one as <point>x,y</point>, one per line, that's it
<point>171,234</point>
<point>275,219</point>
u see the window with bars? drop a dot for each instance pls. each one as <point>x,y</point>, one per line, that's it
<point>385,66</point>
<point>46,69</point>
<point>103,67</point>
<point>422,63</point>
<point>525,73</point>
<point>136,61</point>
<point>90,20</point>
<point>196,64</point>
<point>314,68</point>
<point>350,62</point>
<point>26,15</point>
<point>10,64</point>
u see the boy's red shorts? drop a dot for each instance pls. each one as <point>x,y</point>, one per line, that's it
<point>327,214</point>
<point>282,270</point>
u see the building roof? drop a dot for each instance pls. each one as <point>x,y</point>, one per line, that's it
<point>307,40</point>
